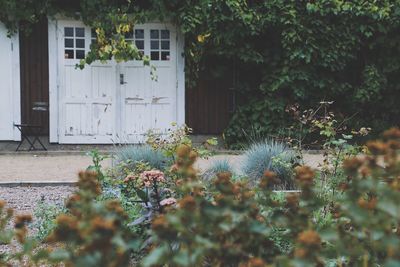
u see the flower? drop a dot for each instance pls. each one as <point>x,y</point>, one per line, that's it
<point>168,201</point>
<point>2,204</point>
<point>148,178</point>
<point>188,203</point>
<point>183,150</point>
<point>305,175</point>
<point>309,238</point>
<point>392,133</point>
<point>22,220</point>
<point>130,177</point>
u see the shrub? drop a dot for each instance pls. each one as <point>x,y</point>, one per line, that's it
<point>218,166</point>
<point>45,215</point>
<point>269,155</point>
<point>228,223</point>
<point>132,155</point>
<point>92,233</point>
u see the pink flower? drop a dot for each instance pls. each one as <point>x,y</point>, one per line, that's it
<point>149,177</point>
<point>168,201</point>
<point>129,178</point>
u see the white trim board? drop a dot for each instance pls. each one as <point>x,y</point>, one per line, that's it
<point>53,81</point>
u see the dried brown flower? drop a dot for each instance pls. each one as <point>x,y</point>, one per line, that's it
<point>304,175</point>
<point>377,147</point>
<point>183,150</point>
<point>102,224</point>
<point>159,223</point>
<point>300,253</point>
<point>392,133</point>
<point>187,203</point>
<point>367,204</point>
<point>352,164</point>
<point>254,262</point>
<point>22,220</point>
<point>309,238</point>
<point>88,181</point>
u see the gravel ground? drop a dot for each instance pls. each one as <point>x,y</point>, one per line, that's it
<point>25,198</point>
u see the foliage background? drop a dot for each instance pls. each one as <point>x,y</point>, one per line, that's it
<point>283,51</point>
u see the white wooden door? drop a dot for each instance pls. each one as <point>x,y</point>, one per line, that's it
<point>86,97</point>
<point>9,86</point>
<point>105,103</point>
<point>149,102</point>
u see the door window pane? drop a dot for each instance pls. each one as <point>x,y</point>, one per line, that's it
<point>154,34</point>
<point>69,42</point>
<point>68,31</point>
<point>80,43</point>
<point>139,34</point>
<point>74,42</point>
<point>79,32</point>
<point>160,45</point>
<point>154,45</point>
<point>80,54</point>
<point>165,45</point>
<point>155,55</point>
<point>69,53</point>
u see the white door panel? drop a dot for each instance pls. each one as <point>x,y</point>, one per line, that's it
<point>86,97</point>
<point>9,85</point>
<point>105,103</point>
<point>150,102</point>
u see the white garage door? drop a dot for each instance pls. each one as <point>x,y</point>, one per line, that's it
<point>9,85</point>
<point>111,102</point>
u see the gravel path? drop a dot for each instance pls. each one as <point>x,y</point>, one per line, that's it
<point>24,199</point>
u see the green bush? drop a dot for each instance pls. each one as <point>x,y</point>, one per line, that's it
<point>132,155</point>
<point>229,223</point>
<point>269,155</point>
<point>45,218</point>
<point>218,166</point>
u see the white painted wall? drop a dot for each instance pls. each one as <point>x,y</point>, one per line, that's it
<point>10,112</point>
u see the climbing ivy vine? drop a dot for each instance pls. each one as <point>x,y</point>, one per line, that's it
<point>282,51</point>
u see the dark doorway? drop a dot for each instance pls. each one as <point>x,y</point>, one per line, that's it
<point>34,64</point>
<point>210,103</point>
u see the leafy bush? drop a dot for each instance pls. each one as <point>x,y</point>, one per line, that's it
<point>217,167</point>
<point>45,218</point>
<point>133,155</point>
<point>168,142</point>
<point>229,223</point>
<point>93,233</point>
<point>269,155</point>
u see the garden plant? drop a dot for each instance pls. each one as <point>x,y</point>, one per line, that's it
<point>225,222</point>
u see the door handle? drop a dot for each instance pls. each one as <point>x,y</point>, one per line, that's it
<point>134,98</point>
<point>156,99</point>
<point>122,79</point>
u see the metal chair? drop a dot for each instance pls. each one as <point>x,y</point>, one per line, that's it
<point>35,129</point>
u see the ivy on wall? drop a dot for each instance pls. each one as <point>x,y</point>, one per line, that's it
<point>285,51</point>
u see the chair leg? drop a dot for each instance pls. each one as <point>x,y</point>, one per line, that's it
<point>20,143</point>
<point>36,138</point>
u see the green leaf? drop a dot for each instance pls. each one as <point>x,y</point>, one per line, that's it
<point>154,257</point>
